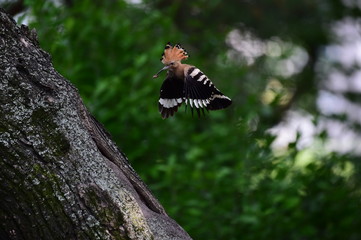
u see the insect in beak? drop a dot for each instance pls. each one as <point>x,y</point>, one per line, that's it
<point>165,68</point>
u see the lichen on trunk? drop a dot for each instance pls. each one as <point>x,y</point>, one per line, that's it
<point>61,176</point>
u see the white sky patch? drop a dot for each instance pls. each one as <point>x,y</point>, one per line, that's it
<point>273,49</point>
<point>344,52</point>
<point>25,17</point>
<point>247,48</point>
<point>336,104</point>
<point>341,138</point>
<point>347,49</point>
<point>293,64</point>
<point>286,132</point>
<point>348,54</point>
<point>352,3</point>
<point>338,81</point>
<point>286,59</point>
<point>134,1</point>
<point>245,45</point>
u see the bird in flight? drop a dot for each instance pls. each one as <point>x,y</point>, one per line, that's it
<point>186,83</point>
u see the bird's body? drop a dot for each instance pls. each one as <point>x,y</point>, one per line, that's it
<point>186,83</point>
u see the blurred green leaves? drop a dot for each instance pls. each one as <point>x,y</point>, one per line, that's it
<point>217,176</point>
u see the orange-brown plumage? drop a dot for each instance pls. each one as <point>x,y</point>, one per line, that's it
<point>173,53</point>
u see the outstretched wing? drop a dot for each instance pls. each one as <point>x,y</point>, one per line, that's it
<point>200,92</point>
<point>171,96</point>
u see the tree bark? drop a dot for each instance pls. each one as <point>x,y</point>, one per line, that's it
<point>61,176</point>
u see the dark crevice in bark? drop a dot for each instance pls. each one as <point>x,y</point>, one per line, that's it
<point>113,154</point>
<point>61,175</point>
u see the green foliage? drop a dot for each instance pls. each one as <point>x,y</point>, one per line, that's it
<point>217,176</point>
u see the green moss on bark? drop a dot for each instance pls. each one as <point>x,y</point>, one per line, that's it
<point>103,207</point>
<point>44,124</point>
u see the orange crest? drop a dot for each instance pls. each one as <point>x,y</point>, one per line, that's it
<point>176,53</point>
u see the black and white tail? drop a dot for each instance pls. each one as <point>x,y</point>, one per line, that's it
<point>196,90</point>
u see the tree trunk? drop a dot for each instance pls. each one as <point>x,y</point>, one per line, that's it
<point>61,176</point>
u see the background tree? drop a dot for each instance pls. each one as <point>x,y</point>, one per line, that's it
<point>221,172</point>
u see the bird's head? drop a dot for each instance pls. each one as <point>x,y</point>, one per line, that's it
<point>172,57</point>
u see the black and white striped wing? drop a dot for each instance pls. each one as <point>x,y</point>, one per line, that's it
<point>171,96</point>
<point>201,93</point>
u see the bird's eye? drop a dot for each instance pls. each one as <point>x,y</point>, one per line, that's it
<point>172,63</point>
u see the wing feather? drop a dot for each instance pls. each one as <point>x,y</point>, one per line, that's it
<point>200,92</point>
<point>171,96</point>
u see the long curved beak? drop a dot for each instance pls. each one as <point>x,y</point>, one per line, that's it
<point>165,68</point>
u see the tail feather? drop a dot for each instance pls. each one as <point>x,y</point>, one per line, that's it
<point>219,103</point>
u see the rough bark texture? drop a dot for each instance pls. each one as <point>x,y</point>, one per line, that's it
<point>61,176</point>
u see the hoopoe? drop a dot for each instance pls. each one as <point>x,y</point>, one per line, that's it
<point>186,83</point>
